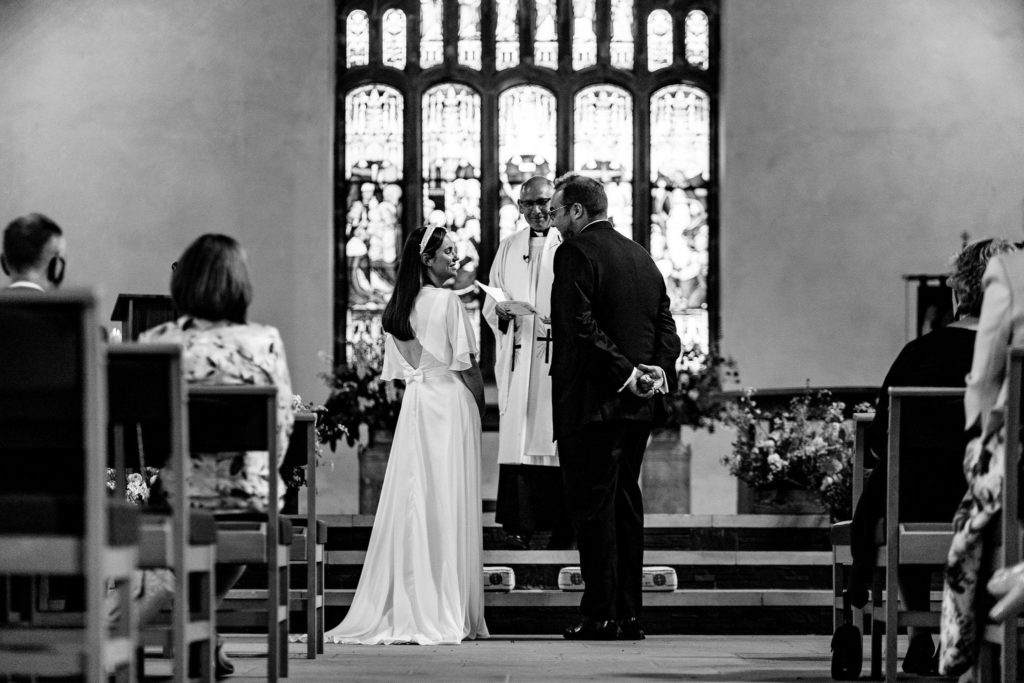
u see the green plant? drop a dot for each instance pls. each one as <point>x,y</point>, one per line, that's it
<point>808,446</point>
<point>698,401</point>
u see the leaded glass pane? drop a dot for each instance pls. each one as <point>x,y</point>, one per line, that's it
<point>526,146</point>
<point>451,178</point>
<point>545,39</point>
<point>659,40</point>
<point>469,33</point>
<point>394,38</point>
<point>622,34</point>
<point>357,39</point>
<point>680,170</point>
<point>431,33</point>
<point>603,147</point>
<point>506,35</point>
<point>697,50</point>
<point>584,39</point>
<point>373,204</point>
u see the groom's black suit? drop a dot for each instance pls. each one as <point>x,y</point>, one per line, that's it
<point>609,312</point>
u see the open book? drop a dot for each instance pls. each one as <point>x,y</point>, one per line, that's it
<point>513,307</point>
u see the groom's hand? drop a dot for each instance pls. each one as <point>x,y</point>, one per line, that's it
<point>652,381</point>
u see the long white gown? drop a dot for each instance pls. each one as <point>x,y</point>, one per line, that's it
<point>422,580</point>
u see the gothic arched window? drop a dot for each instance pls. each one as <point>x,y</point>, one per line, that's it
<point>446,106</point>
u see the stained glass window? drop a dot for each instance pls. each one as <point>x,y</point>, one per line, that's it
<point>451,177</point>
<point>527,124</point>
<point>697,43</point>
<point>603,147</point>
<point>469,33</point>
<point>394,38</point>
<point>659,40</point>
<point>431,35</point>
<point>506,44</point>
<point>545,39</point>
<point>357,39</point>
<point>374,145</point>
<point>584,39</point>
<point>622,34</point>
<point>680,170</point>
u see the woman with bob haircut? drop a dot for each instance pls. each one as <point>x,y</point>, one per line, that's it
<point>422,579</point>
<point>211,291</point>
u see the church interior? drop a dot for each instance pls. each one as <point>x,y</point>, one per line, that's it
<point>803,172</point>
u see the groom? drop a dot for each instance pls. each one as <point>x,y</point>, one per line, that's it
<point>615,348</point>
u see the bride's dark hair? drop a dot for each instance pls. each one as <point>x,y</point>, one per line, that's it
<point>411,275</point>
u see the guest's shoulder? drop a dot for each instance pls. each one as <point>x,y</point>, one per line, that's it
<point>164,332</point>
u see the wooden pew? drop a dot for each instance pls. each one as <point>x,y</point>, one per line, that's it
<point>244,418</point>
<point>55,518</point>
<point>146,398</point>
<point>908,543</point>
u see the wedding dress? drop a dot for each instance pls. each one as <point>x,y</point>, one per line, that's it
<point>422,580</point>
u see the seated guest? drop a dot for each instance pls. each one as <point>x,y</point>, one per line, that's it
<point>1000,327</point>
<point>210,287</point>
<point>931,475</point>
<point>33,253</point>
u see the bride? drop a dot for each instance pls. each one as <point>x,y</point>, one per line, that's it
<point>422,580</point>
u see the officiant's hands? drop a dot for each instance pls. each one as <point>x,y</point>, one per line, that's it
<point>503,313</point>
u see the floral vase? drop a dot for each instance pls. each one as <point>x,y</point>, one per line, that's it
<point>778,500</point>
<point>373,462</point>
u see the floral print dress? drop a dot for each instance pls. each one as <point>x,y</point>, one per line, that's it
<point>220,353</point>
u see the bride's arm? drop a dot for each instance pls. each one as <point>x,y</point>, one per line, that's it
<point>474,381</point>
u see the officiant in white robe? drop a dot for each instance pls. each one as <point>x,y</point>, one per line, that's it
<point>530,496</point>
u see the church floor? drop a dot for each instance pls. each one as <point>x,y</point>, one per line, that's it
<point>543,658</point>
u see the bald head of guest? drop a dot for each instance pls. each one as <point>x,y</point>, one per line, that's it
<point>33,252</point>
<point>534,197</point>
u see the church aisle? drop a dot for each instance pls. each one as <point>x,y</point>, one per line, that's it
<point>537,658</point>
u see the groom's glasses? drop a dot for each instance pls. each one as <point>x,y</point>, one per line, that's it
<point>554,210</point>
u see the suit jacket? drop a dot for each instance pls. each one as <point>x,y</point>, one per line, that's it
<point>609,312</point>
<point>1000,326</point>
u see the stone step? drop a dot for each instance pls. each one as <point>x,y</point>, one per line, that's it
<point>562,558</point>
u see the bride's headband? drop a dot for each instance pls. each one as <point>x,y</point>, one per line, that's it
<point>427,233</point>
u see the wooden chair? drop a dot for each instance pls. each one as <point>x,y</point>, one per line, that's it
<point>244,418</point>
<point>146,398</point>
<point>913,414</point>
<point>310,535</point>
<point>842,557</point>
<point>55,519</point>
<point>1005,638</point>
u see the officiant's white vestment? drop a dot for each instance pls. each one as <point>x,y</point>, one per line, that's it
<point>422,579</point>
<point>523,270</point>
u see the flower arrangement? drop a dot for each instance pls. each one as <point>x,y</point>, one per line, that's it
<point>697,401</point>
<point>359,402</point>
<point>137,486</point>
<point>808,446</point>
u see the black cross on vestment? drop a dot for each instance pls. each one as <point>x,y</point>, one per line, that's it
<point>547,339</point>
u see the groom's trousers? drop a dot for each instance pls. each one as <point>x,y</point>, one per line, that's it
<point>601,468</point>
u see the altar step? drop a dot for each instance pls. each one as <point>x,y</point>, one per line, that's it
<point>737,574</point>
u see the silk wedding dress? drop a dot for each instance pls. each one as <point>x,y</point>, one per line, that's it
<point>422,579</point>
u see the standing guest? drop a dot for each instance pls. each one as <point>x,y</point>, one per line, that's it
<point>1000,326</point>
<point>615,351</point>
<point>931,470</point>
<point>422,579</point>
<point>211,289</point>
<point>529,482</point>
<point>33,253</point>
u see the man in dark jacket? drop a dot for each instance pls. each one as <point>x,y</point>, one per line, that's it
<point>614,353</point>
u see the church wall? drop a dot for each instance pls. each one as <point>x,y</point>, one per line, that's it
<point>139,125</point>
<point>861,139</point>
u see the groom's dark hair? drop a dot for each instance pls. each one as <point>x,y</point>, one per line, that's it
<point>587,192</point>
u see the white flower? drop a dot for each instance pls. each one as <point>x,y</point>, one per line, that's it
<point>775,463</point>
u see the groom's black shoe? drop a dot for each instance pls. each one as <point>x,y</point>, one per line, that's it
<point>589,629</point>
<point>630,629</point>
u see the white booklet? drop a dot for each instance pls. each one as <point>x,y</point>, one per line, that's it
<point>513,307</point>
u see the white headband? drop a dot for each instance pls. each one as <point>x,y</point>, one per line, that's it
<point>426,238</point>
